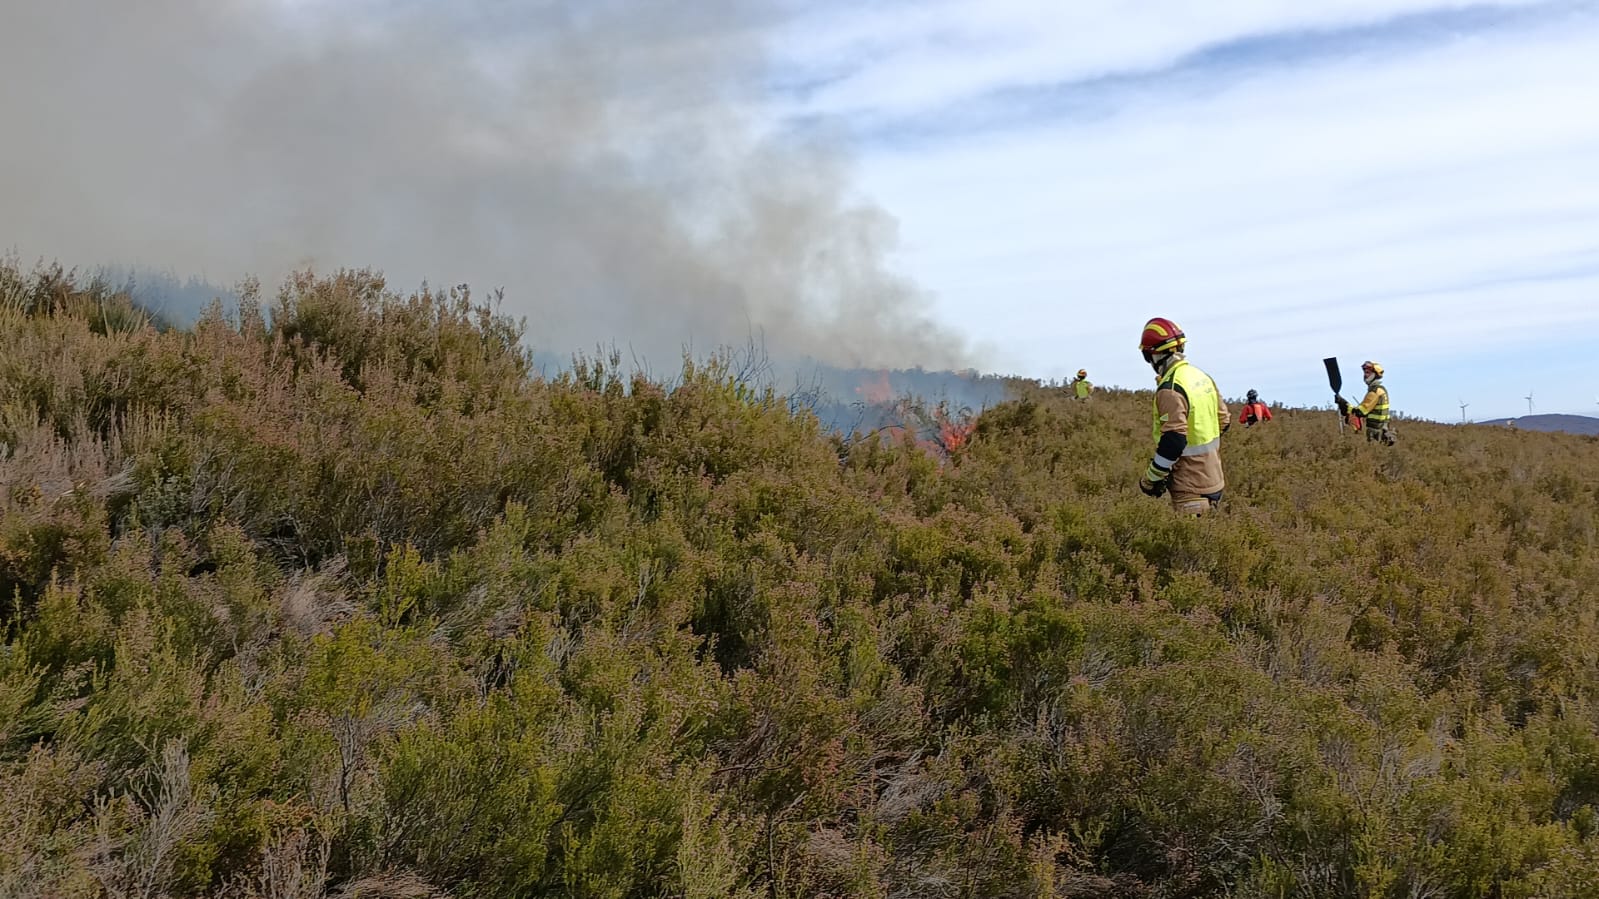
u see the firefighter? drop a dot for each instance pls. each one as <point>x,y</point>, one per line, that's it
<point>1081,385</point>
<point>1254,411</point>
<point>1372,412</point>
<point>1189,418</point>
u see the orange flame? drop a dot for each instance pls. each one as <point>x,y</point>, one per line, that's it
<point>938,432</point>
<point>876,392</point>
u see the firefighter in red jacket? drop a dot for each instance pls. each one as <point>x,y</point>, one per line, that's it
<point>1254,411</point>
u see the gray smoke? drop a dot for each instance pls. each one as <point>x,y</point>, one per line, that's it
<point>603,161</point>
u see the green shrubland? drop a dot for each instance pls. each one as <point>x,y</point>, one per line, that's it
<point>333,595</point>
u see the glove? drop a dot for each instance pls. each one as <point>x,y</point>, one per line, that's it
<point>1226,426</point>
<point>1156,489</point>
<point>1343,405</point>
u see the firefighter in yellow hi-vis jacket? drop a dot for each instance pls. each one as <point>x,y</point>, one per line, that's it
<point>1372,412</point>
<point>1190,417</point>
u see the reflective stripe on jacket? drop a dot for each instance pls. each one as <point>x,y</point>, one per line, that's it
<point>1374,408</point>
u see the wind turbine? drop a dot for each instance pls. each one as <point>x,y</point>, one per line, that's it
<point>1463,405</point>
<point>1529,402</point>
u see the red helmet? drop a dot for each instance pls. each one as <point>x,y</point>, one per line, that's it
<point>1161,335</point>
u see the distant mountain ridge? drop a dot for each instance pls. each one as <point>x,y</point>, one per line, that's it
<point>1570,424</point>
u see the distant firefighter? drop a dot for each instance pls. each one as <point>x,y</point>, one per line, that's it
<point>1254,411</point>
<point>1372,412</point>
<point>1081,385</point>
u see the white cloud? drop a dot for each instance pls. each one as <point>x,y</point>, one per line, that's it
<point>890,58</point>
<point>1426,203</point>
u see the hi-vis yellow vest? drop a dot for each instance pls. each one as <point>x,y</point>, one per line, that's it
<point>1378,412</point>
<point>1204,418</point>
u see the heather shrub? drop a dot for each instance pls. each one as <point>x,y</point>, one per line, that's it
<point>334,595</point>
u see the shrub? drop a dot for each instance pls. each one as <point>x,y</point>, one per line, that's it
<point>340,598</point>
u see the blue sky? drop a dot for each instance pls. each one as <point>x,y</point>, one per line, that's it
<point>1014,185</point>
<point>1408,180</point>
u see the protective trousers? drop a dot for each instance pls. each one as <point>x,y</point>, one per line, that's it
<point>1195,504</point>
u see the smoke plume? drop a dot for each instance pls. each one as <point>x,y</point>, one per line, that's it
<point>605,162</point>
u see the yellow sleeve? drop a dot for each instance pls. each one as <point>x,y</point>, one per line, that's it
<point>1372,396</point>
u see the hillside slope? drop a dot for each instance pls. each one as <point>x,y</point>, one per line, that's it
<point>1569,424</point>
<point>352,605</point>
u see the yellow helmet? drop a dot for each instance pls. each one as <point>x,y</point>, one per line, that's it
<point>1372,368</point>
